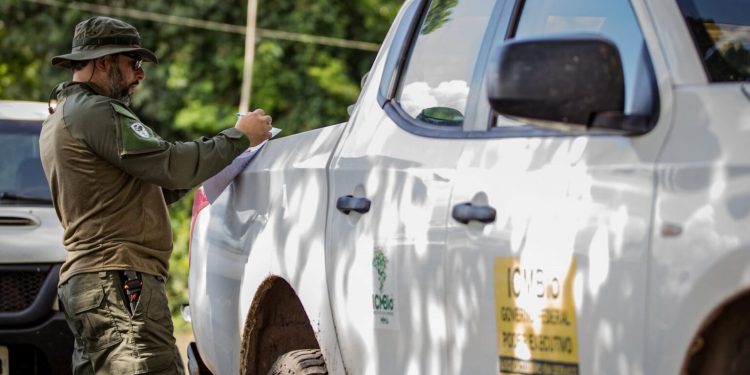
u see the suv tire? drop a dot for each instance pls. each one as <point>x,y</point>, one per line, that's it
<point>298,362</point>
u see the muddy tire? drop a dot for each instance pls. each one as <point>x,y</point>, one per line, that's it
<point>299,362</point>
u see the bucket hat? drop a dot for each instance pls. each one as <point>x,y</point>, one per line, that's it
<point>101,36</point>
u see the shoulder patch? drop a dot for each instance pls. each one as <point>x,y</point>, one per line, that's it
<point>134,136</point>
<point>140,130</point>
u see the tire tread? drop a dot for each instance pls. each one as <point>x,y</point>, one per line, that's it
<point>300,362</point>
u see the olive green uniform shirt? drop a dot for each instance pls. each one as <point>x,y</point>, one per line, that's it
<point>109,175</point>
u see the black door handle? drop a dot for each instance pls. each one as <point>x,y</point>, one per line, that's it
<point>466,212</point>
<point>349,203</point>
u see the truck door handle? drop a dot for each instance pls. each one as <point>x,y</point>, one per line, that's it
<point>466,212</point>
<point>349,203</point>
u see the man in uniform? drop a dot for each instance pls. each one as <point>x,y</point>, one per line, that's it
<point>111,178</point>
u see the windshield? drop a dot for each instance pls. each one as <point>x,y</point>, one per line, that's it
<point>22,180</point>
<point>721,31</point>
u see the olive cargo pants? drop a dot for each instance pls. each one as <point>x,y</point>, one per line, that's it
<point>108,340</point>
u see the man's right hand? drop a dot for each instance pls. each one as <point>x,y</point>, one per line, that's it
<point>256,125</point>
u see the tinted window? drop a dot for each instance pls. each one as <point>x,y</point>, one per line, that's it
<point>435,84</point>
<point>721,31</point>
<point>614,20</point>
<point>21,174</point>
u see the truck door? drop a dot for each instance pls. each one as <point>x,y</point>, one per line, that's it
<point>391,179</point>
<point>548,243</point>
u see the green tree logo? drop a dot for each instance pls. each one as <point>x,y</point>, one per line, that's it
<point>380,262</point>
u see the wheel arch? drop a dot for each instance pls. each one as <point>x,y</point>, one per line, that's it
<point>276,323</point>
<point>725,325</point>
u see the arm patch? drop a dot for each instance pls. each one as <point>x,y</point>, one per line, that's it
<point>135,137</point>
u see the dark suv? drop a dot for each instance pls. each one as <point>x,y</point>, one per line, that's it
<point>34,337</point>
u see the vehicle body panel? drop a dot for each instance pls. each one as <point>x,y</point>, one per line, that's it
<point>702,192</point>
<point>408,180</point>
<point>651,225</point>
<point>42,227</point>
<point>574,201</point>
<point>233,252</point>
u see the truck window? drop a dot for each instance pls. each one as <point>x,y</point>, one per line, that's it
<point>21,172</point>
<point>614,20</point>
<point>721,32</point>
<point>435,84</point>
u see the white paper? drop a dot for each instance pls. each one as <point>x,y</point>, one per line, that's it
<point>214,186</point>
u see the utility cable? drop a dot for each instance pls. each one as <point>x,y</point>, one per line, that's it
<point>210,25</point>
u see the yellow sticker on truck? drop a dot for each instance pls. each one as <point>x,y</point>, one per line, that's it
<point>536,320</point>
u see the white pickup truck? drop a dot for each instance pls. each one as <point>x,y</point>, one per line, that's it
<point>523,187</point>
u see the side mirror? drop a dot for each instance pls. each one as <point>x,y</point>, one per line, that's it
<point>574,79</point>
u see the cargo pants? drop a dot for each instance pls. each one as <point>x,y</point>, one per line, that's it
<point>108,339</point>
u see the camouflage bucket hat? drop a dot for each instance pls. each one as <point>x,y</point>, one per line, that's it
<point>101,36</point>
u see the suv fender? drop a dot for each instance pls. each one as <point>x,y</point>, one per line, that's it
<point>276,324</point>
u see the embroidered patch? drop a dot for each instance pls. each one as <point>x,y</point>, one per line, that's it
<point>134,136</point>
<point>140,130</point>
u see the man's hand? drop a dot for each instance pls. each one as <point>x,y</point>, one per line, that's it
<point>256,125</point>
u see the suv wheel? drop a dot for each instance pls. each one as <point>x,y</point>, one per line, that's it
<point>297,362</point>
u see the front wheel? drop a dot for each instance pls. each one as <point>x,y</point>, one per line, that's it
<point>298,362</point>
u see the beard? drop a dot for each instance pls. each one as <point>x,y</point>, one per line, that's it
<point>118,88</point>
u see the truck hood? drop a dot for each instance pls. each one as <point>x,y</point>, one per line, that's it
<point>30,235</point>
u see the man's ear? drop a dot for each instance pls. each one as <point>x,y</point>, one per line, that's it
<point>102,63</point>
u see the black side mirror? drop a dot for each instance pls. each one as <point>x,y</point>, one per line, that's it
<point>574,79</point>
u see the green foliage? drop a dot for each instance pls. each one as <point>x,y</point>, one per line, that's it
<point>195,89</point>
<point>439,13</point>
<point>179,262</point>
<point>736,58</point>
<point>725,59</point>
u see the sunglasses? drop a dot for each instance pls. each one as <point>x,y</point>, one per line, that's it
<point>137,60</point>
